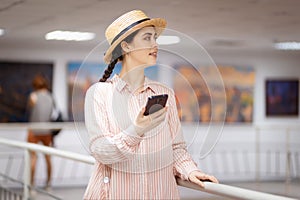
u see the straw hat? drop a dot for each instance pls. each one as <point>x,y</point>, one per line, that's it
<point>127,24</point>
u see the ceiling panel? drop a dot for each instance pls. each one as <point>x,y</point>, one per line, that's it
<point>252,24</point>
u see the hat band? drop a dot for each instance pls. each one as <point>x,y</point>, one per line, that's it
<point>127,28</point>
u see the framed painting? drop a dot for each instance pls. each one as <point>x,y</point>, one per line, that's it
<point>239,90</point>
<point>282,97</point>
<point>16,85</point>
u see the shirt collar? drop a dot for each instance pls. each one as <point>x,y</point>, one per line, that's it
<point>121,84</point>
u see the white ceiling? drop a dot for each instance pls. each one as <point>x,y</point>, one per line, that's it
<point>216,24</point>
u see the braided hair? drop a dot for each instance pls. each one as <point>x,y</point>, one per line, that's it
<point>116,56</point>
<point>108,71</point>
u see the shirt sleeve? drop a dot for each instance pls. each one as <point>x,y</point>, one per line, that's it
<point>105,146</point>
<point>183,162</point>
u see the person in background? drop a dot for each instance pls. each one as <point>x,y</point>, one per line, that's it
<point>137,156</point>
<point>41,105</point>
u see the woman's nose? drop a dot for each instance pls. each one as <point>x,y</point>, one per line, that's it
<point>154,44</point>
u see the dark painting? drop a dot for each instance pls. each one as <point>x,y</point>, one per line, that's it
<point>282,97</point>
<point>16,85</point>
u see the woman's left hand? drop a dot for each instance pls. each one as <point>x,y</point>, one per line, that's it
<point>197,177</point>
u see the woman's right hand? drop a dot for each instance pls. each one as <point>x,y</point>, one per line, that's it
<point>146,123</point>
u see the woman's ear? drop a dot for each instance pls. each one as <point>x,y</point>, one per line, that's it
<point>125,47</point>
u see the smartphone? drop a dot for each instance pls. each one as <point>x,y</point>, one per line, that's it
<point>155,103</point>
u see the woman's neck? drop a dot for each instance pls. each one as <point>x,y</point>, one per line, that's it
<point>134,76</point>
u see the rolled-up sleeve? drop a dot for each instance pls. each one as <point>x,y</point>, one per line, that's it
<point>105,146</point>
<point>183,162</point>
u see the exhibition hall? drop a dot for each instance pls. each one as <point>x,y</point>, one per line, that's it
<point>152,99</point>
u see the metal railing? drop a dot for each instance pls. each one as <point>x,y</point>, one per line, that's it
<point>287,154</point>
<point>218,189</point>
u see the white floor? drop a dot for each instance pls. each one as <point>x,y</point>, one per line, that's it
<point>279,188</point>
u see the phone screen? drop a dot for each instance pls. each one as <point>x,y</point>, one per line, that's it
<point>155,103</point>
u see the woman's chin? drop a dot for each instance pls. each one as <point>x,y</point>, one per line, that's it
<point>151,63</point>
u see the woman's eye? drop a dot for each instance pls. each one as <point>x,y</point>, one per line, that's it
<point>147,38</point>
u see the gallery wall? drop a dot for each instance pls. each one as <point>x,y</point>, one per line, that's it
<point>266,65</point>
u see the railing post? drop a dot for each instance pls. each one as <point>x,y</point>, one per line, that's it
<point>288,157</point>
<point>27,173</point>
<point>257,156</point>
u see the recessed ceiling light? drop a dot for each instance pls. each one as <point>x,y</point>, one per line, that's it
<point>287,45</point>
<point>168,39</point>
<point>69,36</point>
<point>1,31</point>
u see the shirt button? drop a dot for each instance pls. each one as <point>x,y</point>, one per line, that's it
<point>106,179</point>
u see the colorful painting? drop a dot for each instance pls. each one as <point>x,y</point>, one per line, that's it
<point>15,87</point>
<point>81,76</point>
<point>201,97</point>
<point>282,97</point>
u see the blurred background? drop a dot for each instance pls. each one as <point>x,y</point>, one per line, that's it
<point>236,62</point>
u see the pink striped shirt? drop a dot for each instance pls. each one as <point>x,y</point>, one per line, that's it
<point>129,166</point>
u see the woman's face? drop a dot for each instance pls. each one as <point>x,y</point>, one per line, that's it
<point>142,51</point>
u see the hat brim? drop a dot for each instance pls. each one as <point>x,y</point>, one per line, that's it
<point>158,23</point>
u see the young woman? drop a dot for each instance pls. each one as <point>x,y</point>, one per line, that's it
<point>41,106</point>
<point>137,156</point>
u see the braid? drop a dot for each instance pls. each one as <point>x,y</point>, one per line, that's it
<point>108,71</point>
